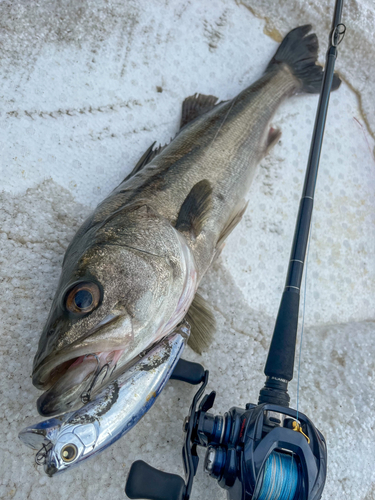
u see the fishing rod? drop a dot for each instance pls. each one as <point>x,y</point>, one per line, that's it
<point>266,451</point>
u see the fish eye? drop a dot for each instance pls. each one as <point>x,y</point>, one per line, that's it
<point>69,452</point>
<point>82,298</point>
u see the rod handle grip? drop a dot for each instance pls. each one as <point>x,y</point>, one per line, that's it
<point>280,360</point>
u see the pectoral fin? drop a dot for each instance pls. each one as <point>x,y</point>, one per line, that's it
<point>195,209</point>
<point>202,323</point>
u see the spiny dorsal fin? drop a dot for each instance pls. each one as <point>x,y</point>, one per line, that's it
<point>195,208</point>
<point>202,323</point>
<point>196,105</point>
<point>232,222</point>
<point>146,158</point>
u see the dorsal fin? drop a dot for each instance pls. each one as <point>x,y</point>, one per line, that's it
<point>192,107</point>
<point>195,208</point>
<point>202,323</point>
<point>196,105</point>
<point>146,158</point>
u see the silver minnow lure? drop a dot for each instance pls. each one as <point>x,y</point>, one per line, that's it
<point>67,440</point>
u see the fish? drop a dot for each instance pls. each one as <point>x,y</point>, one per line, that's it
<point>66,441</point>
<point>132,272</point>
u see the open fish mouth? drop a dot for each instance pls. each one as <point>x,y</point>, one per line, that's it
<point>74,380</point>
<point>70,379</point>
<point>70,375</point>
<point>56,364</point>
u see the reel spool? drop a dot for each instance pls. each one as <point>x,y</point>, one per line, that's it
<point>280,478</point>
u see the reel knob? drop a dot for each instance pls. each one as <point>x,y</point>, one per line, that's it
<point>189,372</point>
<point>146,482</point>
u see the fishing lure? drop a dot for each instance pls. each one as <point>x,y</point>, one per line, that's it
<point>67,440</point>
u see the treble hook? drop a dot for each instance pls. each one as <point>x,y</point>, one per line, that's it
<point>41,456</point>
<point>85,396</point>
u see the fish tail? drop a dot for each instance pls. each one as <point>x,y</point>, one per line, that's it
<point>300,53</point>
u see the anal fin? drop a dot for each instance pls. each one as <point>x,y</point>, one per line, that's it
<point>202,323</point>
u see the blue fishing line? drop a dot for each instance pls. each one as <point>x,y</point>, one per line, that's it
<point>280,478</point>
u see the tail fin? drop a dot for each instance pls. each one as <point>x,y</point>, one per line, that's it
<point>300,53</point>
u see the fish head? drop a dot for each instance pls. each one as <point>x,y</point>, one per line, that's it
<point>126,283</point>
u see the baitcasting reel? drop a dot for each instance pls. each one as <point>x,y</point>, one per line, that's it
<point>263,452</point>
<point>266,451</point>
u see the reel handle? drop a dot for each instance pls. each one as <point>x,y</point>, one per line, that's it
<point>189,372</point>
<point>146,482</point>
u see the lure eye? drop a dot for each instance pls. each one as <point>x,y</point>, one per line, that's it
<point>69,452</point>
<point>83,298</point>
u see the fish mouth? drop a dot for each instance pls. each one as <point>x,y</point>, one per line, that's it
<point>115,409</point>
<point>74,381</point>
<point>68,376</point>
<point>54,365</point>
<point>71,376</point>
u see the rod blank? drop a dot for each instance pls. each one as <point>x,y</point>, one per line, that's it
<point>280,360</point>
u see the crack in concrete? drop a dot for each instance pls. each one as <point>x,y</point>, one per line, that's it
<point>269,28</point>
<point>106,108</point>
<point>360,105</point>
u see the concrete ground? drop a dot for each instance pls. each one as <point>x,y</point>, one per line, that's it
<point>86,88</point>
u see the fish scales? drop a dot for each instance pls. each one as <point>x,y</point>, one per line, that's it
<point>224,148</point>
